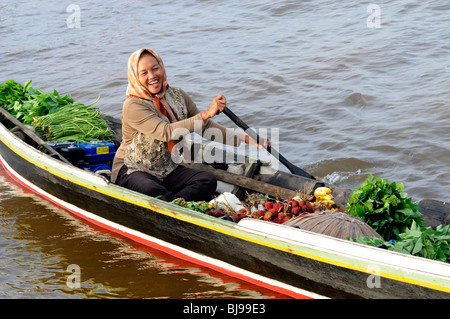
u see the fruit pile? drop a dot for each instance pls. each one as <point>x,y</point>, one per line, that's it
<point>281,212</point>
<point>324,199</point>
<point>263,207</point>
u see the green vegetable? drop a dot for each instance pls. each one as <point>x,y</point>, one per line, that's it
<point>418,241</point>
<point>25,103</point>
<point>57,117</point>
<point>10,92</point>
<point>74,123</point>
<point>201,206</point>
<point>11,96</point>
<point>384,206</point>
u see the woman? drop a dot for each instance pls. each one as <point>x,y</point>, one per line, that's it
<point>152,113</point>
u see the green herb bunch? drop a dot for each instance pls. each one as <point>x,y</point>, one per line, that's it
<point>25,103</point>
<point>384,206</point>
<point>201,206</point>
<point>57,118</point>
<point>418,241</point>
<point>74,123</point>
<point>10,93</point>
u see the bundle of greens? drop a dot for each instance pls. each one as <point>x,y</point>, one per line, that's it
<point>57,117</point>
<point>201,206</point>
<point>384,206</point>
<point>74,123</point>
<point>10,93</point>
<point>25,103</point>
<point>418,241</point>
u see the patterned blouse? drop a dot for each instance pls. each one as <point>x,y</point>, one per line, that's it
<point>144,134</point>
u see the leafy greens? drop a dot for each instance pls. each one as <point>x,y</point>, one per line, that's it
<point>56,117</point>
<point>384,206</point>
<point>25,103</point>
<point>418,241</point>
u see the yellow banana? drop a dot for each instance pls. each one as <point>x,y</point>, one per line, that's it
<point>326,197</point>
<point>322,191</point>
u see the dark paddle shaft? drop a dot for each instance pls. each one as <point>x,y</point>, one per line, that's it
<point>292,168</point>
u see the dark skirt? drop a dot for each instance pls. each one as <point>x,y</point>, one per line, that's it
<point>187,183</point>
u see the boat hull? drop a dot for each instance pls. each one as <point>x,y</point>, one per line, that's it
<point>274,256</point>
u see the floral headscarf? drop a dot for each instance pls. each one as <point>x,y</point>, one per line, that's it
<point>135,88</point>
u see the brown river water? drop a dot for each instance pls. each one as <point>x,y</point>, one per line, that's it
<point>353,88</point>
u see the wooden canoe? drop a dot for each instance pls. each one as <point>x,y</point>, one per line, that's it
<point>292,261</point>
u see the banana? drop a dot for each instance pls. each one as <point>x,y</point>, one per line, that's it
<point>330,203</point>
<point>326,197</point>
<point>322,191</point>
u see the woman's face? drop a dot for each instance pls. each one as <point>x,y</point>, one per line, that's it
<point>150,73</point>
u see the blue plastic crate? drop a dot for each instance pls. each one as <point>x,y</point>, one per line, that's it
<point>98,151</point>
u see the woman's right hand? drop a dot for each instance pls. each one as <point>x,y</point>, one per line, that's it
<point>218,104</point>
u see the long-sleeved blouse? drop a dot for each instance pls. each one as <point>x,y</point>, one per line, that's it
<point>144,134</point>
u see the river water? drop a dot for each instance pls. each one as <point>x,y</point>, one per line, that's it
<point>352,88</point>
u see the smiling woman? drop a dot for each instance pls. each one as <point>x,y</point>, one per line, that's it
<point>147,160</point>
<point>151,75</point>
<point>290,65</point>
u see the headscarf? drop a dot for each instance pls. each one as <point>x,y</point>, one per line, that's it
<point>135,88</point>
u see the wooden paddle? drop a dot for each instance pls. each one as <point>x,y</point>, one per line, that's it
<point>292,168</point>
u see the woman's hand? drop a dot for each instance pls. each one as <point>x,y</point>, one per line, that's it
<point>218,104</point>
<point>247,139</point>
